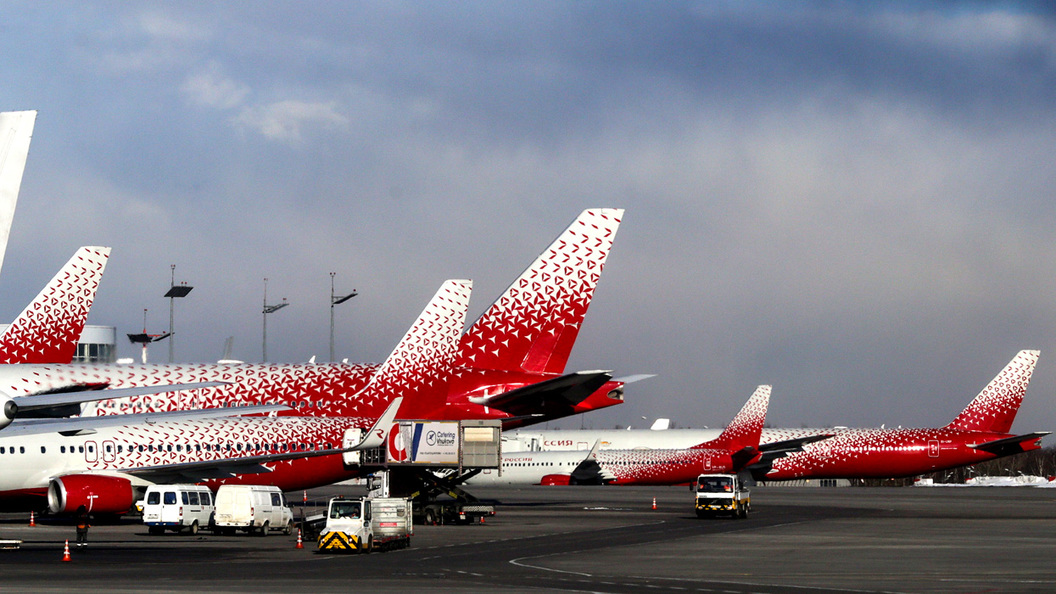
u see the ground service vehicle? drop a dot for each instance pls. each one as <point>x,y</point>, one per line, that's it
<point>363,525</point>
<point>253,508</point>
<point>177,507</point>
<point>722,493</point>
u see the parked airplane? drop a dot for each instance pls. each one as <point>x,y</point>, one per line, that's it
<point>979,433</point>
<point>511,359</point>
<point>102,467</point>
<point>16,130</point>
<point>734,449</point>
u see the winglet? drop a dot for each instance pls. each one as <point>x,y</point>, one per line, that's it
<point>420,365</point>
<point>16,130</point>
<point>995,408</point>
<point>745,428</point>
<point>376,435</point>
<point>534,324</point>
<point>48,330</point>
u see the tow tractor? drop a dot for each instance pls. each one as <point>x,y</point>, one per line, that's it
<point>722,493</point>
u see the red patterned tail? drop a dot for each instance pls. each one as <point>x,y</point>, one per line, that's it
<point>745,428</point>
<point>534,325</point>
<point>420,366</point>
<point>995,408</point>
<point>48,329</point>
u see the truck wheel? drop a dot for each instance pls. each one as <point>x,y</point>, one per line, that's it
<point>264,528</point>
<point>744,512</point>
<point>194,528</point>
<point>155,530</point>
<point>430,517</point>
<point>370,545</point>
<point>288,530</point>
<point>701,513</point>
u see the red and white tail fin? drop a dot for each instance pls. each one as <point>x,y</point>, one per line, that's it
<point>534,324</point>
<point>995,408</point>
<point>48,329</point>
<point>420,366</point>
<point>745,428</point>
<point>16,129</point>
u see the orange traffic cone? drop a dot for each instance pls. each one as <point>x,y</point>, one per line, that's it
<point>32,520</point>
<point>66,551</point>
<point>654,502</point>
<point>300,544</point>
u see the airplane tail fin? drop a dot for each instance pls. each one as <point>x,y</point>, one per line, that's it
<point>995,408</point>
<point>16,129</point>
<point>745,428</point>
<point>48,330</point>
<point>420,366</point>
<point>534,324</point>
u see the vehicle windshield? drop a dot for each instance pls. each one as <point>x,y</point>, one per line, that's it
<point>344,510</point>
<point>715,484</point>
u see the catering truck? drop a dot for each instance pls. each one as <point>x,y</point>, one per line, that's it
<point>722,494</point>
<point>366,524</point>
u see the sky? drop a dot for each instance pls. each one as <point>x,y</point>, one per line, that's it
<point>853,202</point>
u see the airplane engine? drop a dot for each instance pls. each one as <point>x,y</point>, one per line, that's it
<point>10,410</point>
<point>554,480</point>
<point>98,494</point>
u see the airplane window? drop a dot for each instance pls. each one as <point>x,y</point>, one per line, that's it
<point>2,450</point>
<point>179,448</point>
<point>42,450</point>
<point>120,449</point>
<point>80,449</point>
<point>170,447</point>
<point>108,450</point>
<point>91,449</point>
<point>21,450</point>
<point>62,450</point>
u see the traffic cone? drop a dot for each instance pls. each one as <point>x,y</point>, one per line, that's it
<point>654,502</point>
<point>66,551</point>
<point>300,544</point>
<point>32,520</point>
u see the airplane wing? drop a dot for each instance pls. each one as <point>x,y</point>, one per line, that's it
<point>792,445</point>
<point>1008,445</point>
<point>89,425</point>
<point>41,404</point>
<point>549,398</point>
<point>229,467</point>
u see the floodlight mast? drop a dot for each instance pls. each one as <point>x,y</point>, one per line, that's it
<point>173,293</point>
<point>336,300</point>
<point>267,310</point>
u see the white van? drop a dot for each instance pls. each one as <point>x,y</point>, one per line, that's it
<point>252,508</point>
<point>176,507</point>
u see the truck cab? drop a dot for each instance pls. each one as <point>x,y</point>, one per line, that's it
<point>721,493</point>
<point>348,526</point>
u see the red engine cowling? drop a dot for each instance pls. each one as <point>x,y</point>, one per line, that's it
<point>554,480</point>
<point>98,494</point>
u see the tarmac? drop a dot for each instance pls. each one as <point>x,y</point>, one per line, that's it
<point>597,539</point>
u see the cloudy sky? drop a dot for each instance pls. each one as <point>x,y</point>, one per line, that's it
<point>851,201</point>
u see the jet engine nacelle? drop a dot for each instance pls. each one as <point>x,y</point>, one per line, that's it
<point>8,410</point>
<point>98,494</point>
<point>553,480</point>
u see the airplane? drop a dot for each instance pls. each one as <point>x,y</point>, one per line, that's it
<point>510,362</point>
<point>980,433</point>
<point>734,449</point>
<point>104,464</point>
<point>16,130</point>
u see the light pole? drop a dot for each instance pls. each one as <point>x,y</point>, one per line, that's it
<point>334,300</point>
<point>173,293</point>
<point>267,310</point>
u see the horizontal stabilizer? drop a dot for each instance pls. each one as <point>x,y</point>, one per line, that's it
<point>1008,445</point>
<point>550,397</point>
